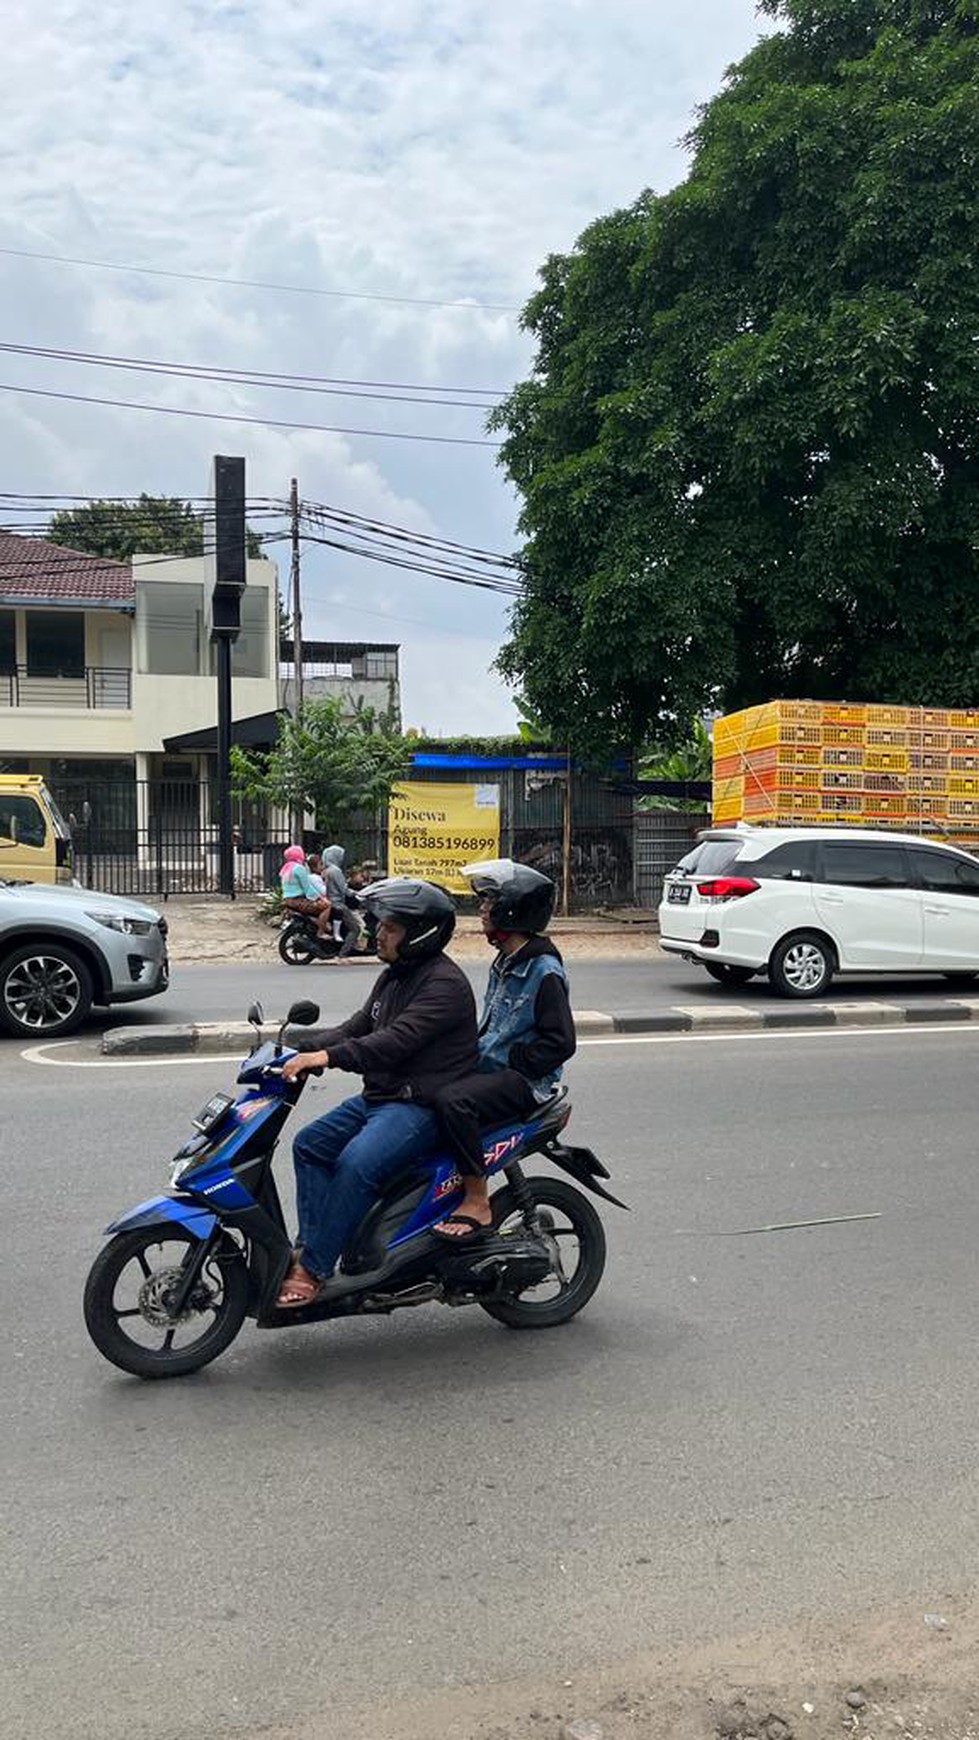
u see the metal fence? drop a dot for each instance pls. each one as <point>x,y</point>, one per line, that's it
<point>661,839</point>
<point>160,837</point>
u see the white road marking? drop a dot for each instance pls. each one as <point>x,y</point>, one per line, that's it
<point>775,1035</point>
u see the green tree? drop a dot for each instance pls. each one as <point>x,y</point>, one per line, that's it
<point>156,525</point>
<point>748,453</point>
<point>325,761</point>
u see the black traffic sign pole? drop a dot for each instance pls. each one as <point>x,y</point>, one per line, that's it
<point>229,584</point>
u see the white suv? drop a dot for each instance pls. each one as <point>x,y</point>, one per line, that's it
<point>801,904</point>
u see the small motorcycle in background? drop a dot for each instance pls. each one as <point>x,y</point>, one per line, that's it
<point>300,943</point>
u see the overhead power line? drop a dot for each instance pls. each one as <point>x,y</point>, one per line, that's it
<point>234,417</point>
<point>485,583</point>
<point>403,393</point>
<point>262,284</point>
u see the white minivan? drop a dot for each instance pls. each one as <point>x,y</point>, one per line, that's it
<point>801,904</point>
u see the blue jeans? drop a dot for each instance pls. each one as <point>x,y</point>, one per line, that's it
<point>343,1161</point>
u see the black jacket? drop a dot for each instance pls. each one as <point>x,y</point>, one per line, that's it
<point>415,1033</point>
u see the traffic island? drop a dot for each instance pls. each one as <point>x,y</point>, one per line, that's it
<point>235,1038</point>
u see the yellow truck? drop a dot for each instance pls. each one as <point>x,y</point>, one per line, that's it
<point>35,840</point>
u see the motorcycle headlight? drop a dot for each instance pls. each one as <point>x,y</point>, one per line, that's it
<point>122,922</point>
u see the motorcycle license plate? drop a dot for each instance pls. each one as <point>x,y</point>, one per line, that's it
<point>212,1113</point>
<point>678,894</point>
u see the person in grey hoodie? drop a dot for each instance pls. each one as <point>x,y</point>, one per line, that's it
<point>336,888</point>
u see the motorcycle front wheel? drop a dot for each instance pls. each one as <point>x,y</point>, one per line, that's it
<point>576,1236</point>
<point>296,947</point>
<point>126,1303</point>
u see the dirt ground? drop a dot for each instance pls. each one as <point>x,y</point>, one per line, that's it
<point>216,930</point>
<point>902,1672</point>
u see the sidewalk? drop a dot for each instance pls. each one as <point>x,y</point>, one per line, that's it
<point>209,928</point>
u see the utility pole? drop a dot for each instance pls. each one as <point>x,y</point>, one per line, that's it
<point>227,556</point>
<point>297,608</point>
<point>297,632</point>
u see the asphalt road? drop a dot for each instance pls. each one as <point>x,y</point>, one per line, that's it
<point>744,1428</point>
<point>204,992</point>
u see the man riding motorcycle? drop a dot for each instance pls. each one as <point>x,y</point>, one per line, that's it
<point>415,1034</point>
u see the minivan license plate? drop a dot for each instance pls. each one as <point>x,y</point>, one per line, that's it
<point>678,893</point>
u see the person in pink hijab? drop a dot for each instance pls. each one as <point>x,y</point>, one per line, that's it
<point>299,891</point>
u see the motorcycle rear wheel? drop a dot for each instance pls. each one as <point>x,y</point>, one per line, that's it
<point>565,1215</point>
<point>155,1255</point>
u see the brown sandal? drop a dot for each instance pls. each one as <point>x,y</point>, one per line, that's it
<point>299,1288</point>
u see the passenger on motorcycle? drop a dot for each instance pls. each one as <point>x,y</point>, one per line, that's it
<point>299,890</point>
<point>525,1036</point>
<point>336,888</point>
<point>415,1033</point>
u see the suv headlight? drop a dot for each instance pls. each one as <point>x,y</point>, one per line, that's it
<point>122,922</point>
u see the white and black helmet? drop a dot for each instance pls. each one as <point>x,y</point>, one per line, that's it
<point>521,899</point>
<point>425,910</point>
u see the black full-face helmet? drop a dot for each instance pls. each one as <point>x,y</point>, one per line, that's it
<point>521,899</point>
<point>426,911</point>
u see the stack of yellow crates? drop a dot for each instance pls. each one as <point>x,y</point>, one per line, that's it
<point>793,762</point>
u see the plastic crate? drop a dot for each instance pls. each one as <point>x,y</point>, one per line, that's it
<point>836,803</point>
<point>930,760</point>
<point>928,783</point>
<point>893,782</point>
<point>855,735</point>
<point>959,807</point>
<point>964,740</point>
<point>844,713</point>
<point>807,734</point>
<point>760,803</point>
<point>844,755</point>
<point>760,736</point>
<point>800,778</point>
<point>842,779</point>
<point>963,761</point>
<point>964,721</point>
<point>932,716</point>
<point>887,760</point>
<point>726,790</point>
<point>887,734</point>
<point>893,806</point>
<point>963,785</point>
<point>798,754</point>
<point>801,712</point>
<point>887,715</point>
<point>727,767</point>
<point>799,803</point>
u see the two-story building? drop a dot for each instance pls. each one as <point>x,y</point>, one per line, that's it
<point>102,663</point>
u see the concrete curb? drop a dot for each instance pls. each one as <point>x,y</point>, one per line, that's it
<point>235,1037</point>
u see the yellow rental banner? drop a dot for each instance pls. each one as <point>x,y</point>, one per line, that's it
<point>433,830</point>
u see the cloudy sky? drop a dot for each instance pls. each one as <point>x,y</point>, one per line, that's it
<point>426,151</point>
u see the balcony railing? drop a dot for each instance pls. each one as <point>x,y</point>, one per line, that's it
<point>96,686</point>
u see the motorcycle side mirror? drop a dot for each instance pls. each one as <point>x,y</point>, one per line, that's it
<point>302,1014</point>
<point>256,1014</point>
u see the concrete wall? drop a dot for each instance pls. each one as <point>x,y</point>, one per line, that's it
<point>166,706</point>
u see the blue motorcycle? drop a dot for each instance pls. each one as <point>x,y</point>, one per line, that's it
<point>182,1271</point>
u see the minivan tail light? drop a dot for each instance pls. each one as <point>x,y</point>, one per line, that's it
<point>727,887</point>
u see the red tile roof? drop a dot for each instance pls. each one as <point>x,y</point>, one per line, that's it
<point>33,571</point>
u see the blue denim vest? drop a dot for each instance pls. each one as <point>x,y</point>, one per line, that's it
<point>508,1013</point>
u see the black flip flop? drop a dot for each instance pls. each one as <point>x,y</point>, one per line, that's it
<point>478,1228</point>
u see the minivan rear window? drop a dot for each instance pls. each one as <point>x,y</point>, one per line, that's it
<point>711,857</point>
